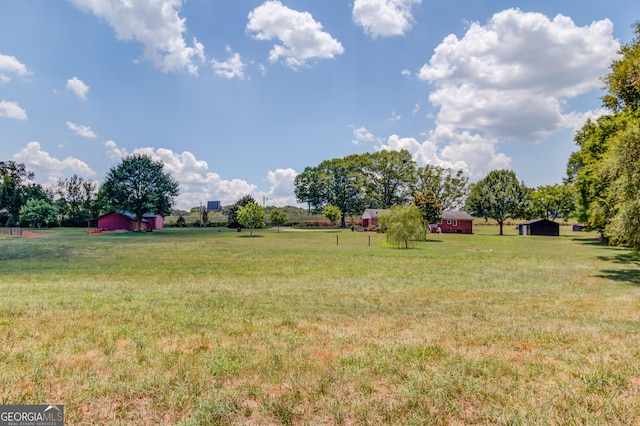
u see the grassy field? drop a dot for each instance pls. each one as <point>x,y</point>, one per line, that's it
<point>194,327</point>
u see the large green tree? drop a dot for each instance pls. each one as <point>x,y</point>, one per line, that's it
<point>38,213</point>
<point>251,216</point>
<point>76,200</point>
<point>16,189</point>
<point>429,207</point>
<point>552,201</point>
<point>449,186</point>
<point>277,217</point>
<point>232,213</point>
<point>604,171</point>
<point>388,178</point>
<point>499,196</point>
<point>138,185</point>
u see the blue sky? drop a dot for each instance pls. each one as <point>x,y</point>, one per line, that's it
<point>237,97</point>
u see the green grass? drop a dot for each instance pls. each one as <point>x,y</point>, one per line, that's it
<point>195,327</point>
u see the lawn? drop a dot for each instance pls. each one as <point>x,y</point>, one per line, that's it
<point>194,327</point>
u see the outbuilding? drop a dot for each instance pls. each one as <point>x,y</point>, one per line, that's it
<point>370,217</point>
<point>539,227</point>
<point>455,222</point>
<point>126,221</point>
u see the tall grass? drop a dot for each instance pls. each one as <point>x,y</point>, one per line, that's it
<point>320,327</point>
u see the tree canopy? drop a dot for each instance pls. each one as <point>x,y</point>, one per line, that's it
<point>138,185</point>
<point>251,216</point>
<point>404,225</point>
<point>499,196</point>
<point>377,180</point>
<point>605,170</point>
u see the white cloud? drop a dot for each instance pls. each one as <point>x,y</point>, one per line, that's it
<point>156,24</point>
<point>301,36</point>
<point>473,154</point>
<point>395,116</point>
<point>12,110</point>
<point>78,87</point>
<point>232,67</point>
<point>362,135</point>
<point>509,78</point>
<point>199,185</point>
<point>43,164</point>
<point>384,18</point>
<point>12,65</point>
<point>84,131</point>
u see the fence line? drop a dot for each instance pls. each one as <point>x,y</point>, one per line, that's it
<point>11,231</point>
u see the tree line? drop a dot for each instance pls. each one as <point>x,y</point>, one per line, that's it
<point>602,187</point>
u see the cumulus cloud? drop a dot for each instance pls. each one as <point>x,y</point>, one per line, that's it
<point>362,135</point>
<point>198,184</point>
<point>11,65</point>
<point>232,67</point>
<point>384,18</point>
<point>78,87</point>
<point>156,24</point>
<point>84,131</point>
<point>12,110</point>
<point>43,164</point>
<point>511,77</point>
<point>301,36</point>
<point>473,154</point>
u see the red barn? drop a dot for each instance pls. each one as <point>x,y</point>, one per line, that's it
<point>456,222</point>
<point>127,221</point>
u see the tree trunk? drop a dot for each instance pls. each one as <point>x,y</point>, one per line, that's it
<point>500,222</point>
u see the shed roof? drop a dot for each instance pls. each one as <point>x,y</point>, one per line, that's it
<point>530,222</point>
<point>456,215</point>
<point>371,213</point>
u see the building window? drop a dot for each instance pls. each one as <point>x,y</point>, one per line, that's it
<point>448,221</point>
<point>455,222</point>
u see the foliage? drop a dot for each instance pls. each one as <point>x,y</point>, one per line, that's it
<point>251,216</point>
<point>138,185</point>
<point>232,212</point>
<point>500,196</point>
<point>76,201</point>
<point>388,178</point>
<point>376,180</point>
<point>277,217</point>
<point>449,186</point>
<point>404,225</point>
<point>15,189</point>
<point>332,213</point>
<point>38,213</point>
<point>428,205</point>
<point>604,171</point>
<point>551,201</point>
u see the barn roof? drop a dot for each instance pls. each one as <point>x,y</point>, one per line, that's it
<point>456,215</point>
<point>371,213</point>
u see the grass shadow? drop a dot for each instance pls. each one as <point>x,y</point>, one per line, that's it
<point>629,274</point>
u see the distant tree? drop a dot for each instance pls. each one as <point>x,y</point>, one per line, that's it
<point>551,201</point>
<point>449,186</point>
<point>500,196</point>
<point>16,189</point>
<point>277,217</point>
<point>76,201</point>
<point>308,189</point>
<point>404,225</point>
<point>138,185</point>
<point>38,213</point>
<point>429,207</point>
<point>232,212</point>
<point>251,217</point>
<point>332,213</point>
<point>389,177</point>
